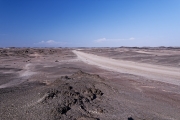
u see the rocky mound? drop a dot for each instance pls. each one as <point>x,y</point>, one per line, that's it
<point>74,97</point>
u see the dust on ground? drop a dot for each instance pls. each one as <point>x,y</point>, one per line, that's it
<point>52,83</point>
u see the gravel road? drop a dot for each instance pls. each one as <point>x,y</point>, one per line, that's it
<point>165,74</point>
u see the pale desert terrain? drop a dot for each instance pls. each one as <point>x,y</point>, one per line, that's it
<point>90,83</point>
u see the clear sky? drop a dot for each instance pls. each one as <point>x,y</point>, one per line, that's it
<point>89,23</point>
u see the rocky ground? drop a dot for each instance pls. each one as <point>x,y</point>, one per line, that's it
<point>52,83</point>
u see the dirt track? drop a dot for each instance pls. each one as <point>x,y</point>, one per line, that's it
<point>160,73</point>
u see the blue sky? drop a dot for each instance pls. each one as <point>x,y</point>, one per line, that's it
<point>89,23</point>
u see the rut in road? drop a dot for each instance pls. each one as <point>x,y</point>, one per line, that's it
<point>156,72</point>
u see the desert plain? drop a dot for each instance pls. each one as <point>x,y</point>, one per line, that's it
<point>122,83</point>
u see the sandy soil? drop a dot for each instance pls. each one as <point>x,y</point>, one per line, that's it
<point>53,83</point>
